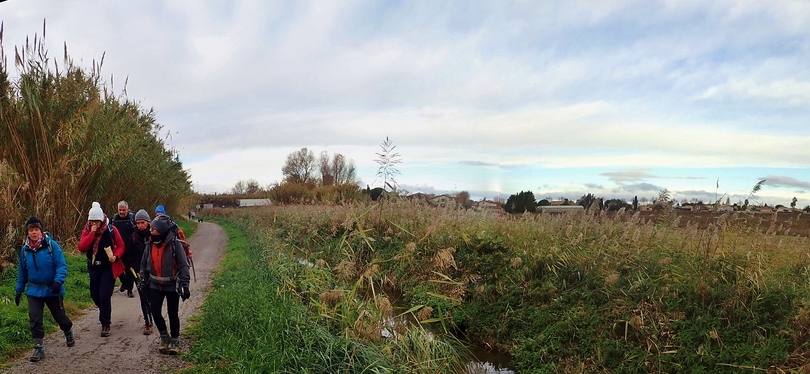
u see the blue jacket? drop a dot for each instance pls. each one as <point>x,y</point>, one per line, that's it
<point>38,270</point>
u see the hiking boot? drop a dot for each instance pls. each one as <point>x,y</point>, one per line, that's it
<point>147,329</point>
<point>174,346</point>
<point>165,341</point>
<point>105,331</point>
<point>130,294</point>
<point>121,289</point>
<point>69,338</point>
<point>39,353</point>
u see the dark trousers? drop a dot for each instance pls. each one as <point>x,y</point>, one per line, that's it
<point>172,305</point>
<point>128,278</point>
<point>36,309</point>
<point>102,283</point>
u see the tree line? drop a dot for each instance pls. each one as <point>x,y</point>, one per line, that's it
<point>66,140</point>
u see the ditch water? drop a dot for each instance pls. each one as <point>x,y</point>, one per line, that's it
<point>484,361</point>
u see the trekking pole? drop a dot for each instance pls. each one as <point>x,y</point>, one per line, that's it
<point>191,262</point>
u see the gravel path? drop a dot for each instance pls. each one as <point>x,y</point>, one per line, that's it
<point>127,350</point>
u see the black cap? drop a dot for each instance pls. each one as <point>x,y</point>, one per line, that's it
<point>161,224</point>
<point>33,221</point>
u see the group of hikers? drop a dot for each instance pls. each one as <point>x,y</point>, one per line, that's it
<point>151,254</point>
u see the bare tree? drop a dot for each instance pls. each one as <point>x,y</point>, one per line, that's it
<point>300,167</point>
<point>239,188</point>
<point>327,178</point>
<point>252,187</point>
<point>343,170</point>
<point>336,170</point>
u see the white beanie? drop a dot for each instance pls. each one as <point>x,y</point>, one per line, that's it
<point>96,214</point>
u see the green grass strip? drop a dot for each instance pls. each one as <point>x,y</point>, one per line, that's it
<point>248,326</point>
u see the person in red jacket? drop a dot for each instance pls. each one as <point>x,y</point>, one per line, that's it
<point>164,267</point>
<point>104,247</point>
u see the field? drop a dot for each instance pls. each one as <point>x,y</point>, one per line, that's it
<point>604,292</point>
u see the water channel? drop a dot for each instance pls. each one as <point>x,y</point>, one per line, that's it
<point>484,361</point>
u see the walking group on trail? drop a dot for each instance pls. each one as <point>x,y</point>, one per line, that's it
<point>151,254</point>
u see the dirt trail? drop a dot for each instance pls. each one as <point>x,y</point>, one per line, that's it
<point>127,350</point>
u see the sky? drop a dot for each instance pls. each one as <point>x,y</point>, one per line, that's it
<point>561,98</point>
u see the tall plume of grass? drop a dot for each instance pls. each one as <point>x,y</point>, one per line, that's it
<point>67,140</point>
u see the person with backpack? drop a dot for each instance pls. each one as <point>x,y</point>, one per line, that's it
<point>42,268</point>
<point>160,210</point>
<point>104,247</point>
<point>165,269</point>
<point>141,238</point>
<point>124,221</point>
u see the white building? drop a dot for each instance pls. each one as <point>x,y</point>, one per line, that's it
<point>253,202</point>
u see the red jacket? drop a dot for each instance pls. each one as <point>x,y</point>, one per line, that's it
<point>86,244</point>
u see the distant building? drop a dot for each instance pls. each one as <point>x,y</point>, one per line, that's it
<point>560,208</point>
<point>443,201</point>
<point>253,202</point>
<point>489,205</point>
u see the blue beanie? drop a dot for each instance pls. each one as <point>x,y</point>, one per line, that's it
<point>160,209</point>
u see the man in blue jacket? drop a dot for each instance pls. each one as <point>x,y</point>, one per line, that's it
<point>43,269</point>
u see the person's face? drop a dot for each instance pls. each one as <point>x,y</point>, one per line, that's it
<point>34,233</point>
<point>94,225</point>
<point>122,211</point>
<point>141,224</point>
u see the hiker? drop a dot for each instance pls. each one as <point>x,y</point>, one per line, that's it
<point>164,267</point>
<point>43,268</point>
<point>104,247</point>
<point>124,221</point>
<point>160,210</point>
<point>141,238</point>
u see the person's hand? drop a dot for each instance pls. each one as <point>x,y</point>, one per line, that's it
<point>113,258</point>
<point>94,226</point>
<point>143,285</point>
<point>17,299</point>
<point>186,293</point>
<point>56,288</point>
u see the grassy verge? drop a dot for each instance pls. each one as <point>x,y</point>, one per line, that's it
<point>15,334</point>
<point>254,321</point>
<point>247,325</point>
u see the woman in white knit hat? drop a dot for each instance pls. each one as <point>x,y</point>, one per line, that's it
<point>104,247</point>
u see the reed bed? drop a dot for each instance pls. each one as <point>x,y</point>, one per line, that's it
<point>561,293</point>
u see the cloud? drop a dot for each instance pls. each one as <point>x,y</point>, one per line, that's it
<point>629,175</point>
<point>641,187</point>
<point>785,182</point>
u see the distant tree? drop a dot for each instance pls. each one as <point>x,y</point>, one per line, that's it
<point>793,203</point>
<point>664,195</point>
<point>586,200</point>
<point>544,202</point>
<point>520,203</point>
<point>336,170</point>
<point>300,167</point>
<point>252,187</point>
<point>463,199</point>
<point>616,204</point>
<point>644,200</point>
<point>239,188</point>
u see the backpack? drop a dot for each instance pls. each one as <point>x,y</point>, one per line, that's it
<point>180,236</point>
<point>46,236</point>
<point>175,235</point>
